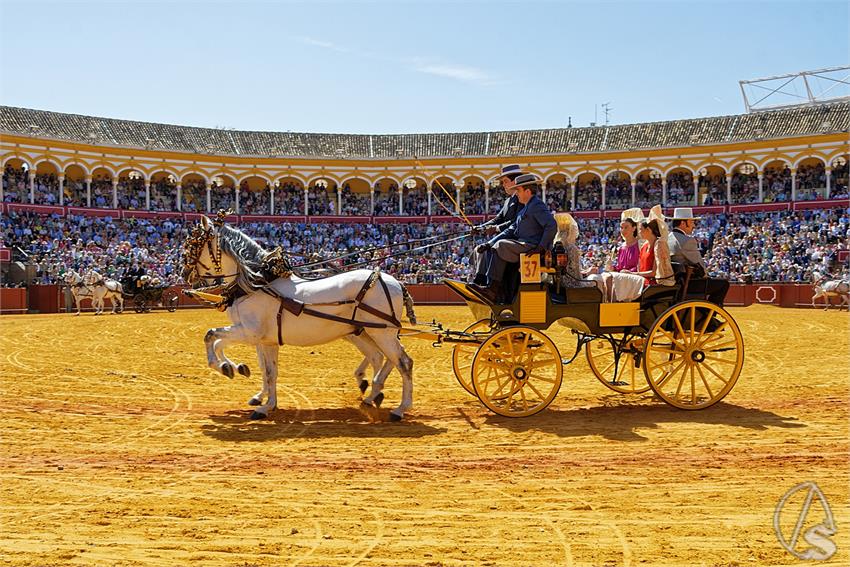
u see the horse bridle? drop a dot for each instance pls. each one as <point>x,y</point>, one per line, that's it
<point>205,237</point>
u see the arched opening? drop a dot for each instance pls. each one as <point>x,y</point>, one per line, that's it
<point>254,196</point>
<point>75,186</point>
<point>473,195</point>
<point>649,189</point>
<point>101,188</point>
<point>163,191</point>
<point>16,181</point>
<point>194,193</point>
<point>442,188</point>
<point>680,187</point>
<point>386,197</point>
<point>222,193</point>
<point>322,194</point>
<point>712,185</point>
<point>776,183</point>
<point>357,197</point>
<point>415,196</point>
<point>46,184</point>
<point>289,196</point>
<point>811,179</point>
<point>558,196</point>
<point>131,190</point>
<point>588,192</point>
<point>838,181</point>
<point>745,183</point>
<point>618,190</point>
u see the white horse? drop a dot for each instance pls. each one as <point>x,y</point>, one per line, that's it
<point>826,288</point>
<point>294,311</point>
<point>104,289</point>
<point>78,287</point>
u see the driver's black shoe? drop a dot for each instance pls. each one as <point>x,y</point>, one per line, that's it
<point>488,293</point>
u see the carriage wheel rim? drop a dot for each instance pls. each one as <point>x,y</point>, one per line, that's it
<point>462,355</point>
<point>693,355</point>
<point>517,372</point>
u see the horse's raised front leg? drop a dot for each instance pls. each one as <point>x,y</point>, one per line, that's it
<point>376,396</point>
<point>389,344</point>
<point>267,355</point>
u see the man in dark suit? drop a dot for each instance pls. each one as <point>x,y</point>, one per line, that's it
<point>684,250</point>
<point>502,220</point>
<point>532,231</point>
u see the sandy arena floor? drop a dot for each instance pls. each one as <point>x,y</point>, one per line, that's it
<point>120,447</point>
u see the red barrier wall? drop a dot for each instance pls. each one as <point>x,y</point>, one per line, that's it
<point>13,300</point>
<point>45,298</point>
<point>50,298</point>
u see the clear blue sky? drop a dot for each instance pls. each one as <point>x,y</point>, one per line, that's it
<point>390,67</point>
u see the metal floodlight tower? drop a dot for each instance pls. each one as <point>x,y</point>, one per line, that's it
<point>796,89</point>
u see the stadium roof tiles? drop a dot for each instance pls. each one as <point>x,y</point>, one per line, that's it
<point>817,119</point>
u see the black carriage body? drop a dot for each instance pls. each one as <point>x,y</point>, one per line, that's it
<point>538,306</point>
<point>147,298</point>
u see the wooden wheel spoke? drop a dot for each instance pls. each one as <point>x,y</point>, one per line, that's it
<point>524,400</point>
<point>705,382</point>
<point>721,347</point>
<point>675,317</point>
<point>713,371</point>
<point>536,391</point>
<point>693,386</point>
<point>670,336</point>
<point>660,364</point>
<point>547,362</point>
<point>671,373</point>
<point>693,321</point>
<point>721,360</point>
<point>716,334</point>
<point>667,351</point>
<point>501,387</point>
<point>681,382</point>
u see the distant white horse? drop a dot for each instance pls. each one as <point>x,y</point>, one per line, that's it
<point>79,289</point>
<point>104,289</point>
<point>355,305</point>
<point>827,288</point>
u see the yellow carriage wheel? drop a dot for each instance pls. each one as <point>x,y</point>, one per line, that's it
<point>517,372</point>
<point>693,355</point>
<point>463,353</point>
<point>622,377</point>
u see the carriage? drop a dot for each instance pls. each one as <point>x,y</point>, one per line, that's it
<point>672,341</point>
<point>148,294</point>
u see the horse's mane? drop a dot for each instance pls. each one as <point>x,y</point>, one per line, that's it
<point>258,267</point>
<point>249,257</point>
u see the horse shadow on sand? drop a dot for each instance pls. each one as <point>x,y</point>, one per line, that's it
<point>619,421</point>
<point>316,423</point>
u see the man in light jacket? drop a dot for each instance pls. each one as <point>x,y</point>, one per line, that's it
<point>684,250</point>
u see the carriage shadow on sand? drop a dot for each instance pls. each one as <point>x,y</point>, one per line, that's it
<point>622,422</point>
<point>314,424</point>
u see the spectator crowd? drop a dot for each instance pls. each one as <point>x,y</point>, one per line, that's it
<point>775,247</point>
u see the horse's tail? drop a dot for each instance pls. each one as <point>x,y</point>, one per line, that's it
<point>408,304</point>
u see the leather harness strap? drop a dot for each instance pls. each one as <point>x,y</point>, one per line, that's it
<point>297,308</point>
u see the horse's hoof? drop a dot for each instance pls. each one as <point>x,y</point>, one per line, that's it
<point>244,370</point>
<point>379,399</point>
<point>395,417</point>
<point>363,385</point>
<point>258,415</point>
<point>227,369</point>
<point>366,404</point>
<point>254,402</point>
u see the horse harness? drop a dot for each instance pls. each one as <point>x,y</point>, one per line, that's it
<point>297,308</point>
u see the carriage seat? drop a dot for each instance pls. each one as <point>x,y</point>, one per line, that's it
<point>575,295</point>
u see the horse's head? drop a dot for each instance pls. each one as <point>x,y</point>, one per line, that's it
<point>203,257</point>
<point>71,277</point>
